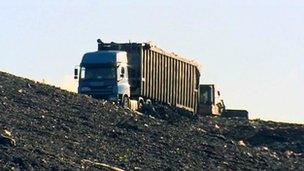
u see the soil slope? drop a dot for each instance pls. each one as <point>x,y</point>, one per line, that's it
<point>45,128</point>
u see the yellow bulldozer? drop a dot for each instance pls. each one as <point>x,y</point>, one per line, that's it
<point>210,103</point>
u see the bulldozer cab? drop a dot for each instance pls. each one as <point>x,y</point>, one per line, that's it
<point>209,100</point>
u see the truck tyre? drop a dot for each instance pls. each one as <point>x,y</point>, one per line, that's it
<point>149,102</point>
<point>141,104</point>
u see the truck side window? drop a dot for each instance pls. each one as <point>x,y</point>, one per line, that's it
<point>204,98</point>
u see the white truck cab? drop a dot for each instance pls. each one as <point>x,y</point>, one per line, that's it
<point>104,74</point>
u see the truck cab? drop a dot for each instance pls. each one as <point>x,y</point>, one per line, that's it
<point>104,75</point>
<point>210,102</point>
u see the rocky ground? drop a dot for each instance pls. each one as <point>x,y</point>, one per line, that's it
<point>45,128</point>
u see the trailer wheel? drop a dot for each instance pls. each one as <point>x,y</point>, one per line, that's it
<point>125,102</point>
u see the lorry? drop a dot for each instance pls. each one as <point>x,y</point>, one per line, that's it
<point>136,74</point>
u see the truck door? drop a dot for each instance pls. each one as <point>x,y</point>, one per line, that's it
<point>206,100</point>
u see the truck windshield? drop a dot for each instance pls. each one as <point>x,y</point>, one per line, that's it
<point>206,95</point>
<point>98,73</point>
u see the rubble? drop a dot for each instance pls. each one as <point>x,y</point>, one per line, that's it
<point>57,130</point>
<point>7,140</point>
<point>241,143</point>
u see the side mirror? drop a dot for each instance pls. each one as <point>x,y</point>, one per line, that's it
<point>122,75</point>
<point>218,93</point>
<point>76,73</point>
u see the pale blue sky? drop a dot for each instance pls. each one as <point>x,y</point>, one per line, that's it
<point>252,49</point>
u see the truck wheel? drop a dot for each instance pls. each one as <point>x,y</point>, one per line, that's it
<point>149,102</point>
<point>141,104</point>
<point>125,102</point>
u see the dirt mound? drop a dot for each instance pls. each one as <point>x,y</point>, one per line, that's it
<point>43,127</point>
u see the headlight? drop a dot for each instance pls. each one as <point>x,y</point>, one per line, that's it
<point>83,89</point>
